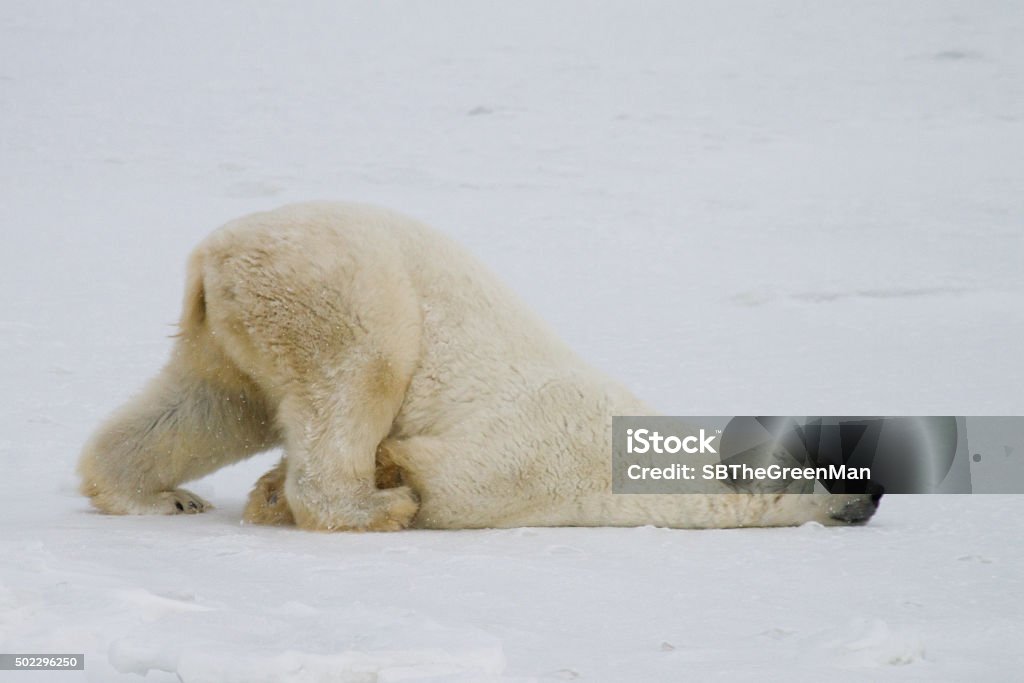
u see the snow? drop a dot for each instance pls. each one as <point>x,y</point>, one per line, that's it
<point>735,208</point>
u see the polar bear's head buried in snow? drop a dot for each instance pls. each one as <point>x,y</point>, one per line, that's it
<point>407,386</point>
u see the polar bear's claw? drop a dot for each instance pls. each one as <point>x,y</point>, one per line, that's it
<point>181,502</point>
<point>174,502</point>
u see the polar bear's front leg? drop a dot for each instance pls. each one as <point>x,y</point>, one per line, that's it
<point>793,509</point>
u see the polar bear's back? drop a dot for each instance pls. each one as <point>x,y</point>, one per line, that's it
<point>313,239</point>
<point>305,268</point>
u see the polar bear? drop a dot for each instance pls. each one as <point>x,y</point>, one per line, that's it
<point>407,386</point>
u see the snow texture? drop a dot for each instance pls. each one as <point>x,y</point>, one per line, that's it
<point>735,208</point>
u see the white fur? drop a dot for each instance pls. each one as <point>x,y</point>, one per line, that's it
<point>361,339</point>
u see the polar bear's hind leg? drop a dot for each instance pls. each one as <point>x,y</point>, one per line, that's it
<point>268,503</point>
<point>199,414</point>
<point>334,339</point>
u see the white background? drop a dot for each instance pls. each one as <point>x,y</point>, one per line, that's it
<point>735,208</point>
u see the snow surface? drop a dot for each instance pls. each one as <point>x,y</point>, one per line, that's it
<point>736,208</point>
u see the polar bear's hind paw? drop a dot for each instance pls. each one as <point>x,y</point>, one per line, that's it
<point>267,503</point>
<point>181,502</point>
<point>173,502</point>
<point>396,508</point>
